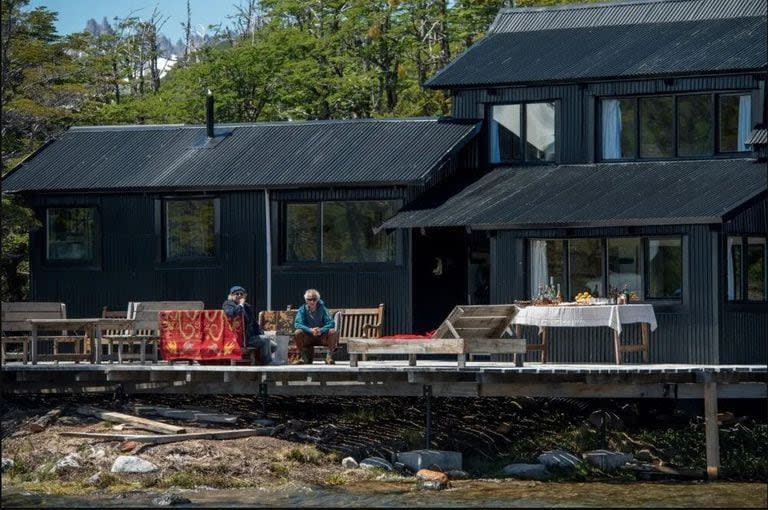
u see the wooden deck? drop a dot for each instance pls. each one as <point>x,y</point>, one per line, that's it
<point>395,378</point>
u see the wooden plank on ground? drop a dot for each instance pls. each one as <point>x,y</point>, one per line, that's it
<point>186,414</point>
<point>152,425</point>
<point>173,438</point>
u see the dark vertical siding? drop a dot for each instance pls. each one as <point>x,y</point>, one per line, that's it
<point>687,332</point>
<point>751,220</point>
<point>130,268</point>
<point>745,336</point>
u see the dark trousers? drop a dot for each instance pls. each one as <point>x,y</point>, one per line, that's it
<point>305,341</point>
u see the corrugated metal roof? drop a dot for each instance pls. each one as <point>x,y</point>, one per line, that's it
<point>606,194</point>
<point>532,19</point>
<point>619,40</point>
<point>270,155</point>
<point>757,137</point>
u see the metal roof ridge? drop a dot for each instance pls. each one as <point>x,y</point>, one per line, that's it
<point>401,120</point>
<point>587,6</point>
<point>635,162</point>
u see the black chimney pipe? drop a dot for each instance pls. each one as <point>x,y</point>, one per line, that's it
<point>209,114</point>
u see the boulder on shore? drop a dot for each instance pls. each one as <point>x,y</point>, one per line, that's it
<point>431,480</point>
<point>375,462</point>
<point>441,460</point>
<point>132,464</point>
<point>528,471</point>
<point>558,459</point>
<point>607,460</point>
<point>349,463</point>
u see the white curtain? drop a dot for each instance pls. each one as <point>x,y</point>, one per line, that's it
<point>730,273</point>
<point>494,134</point>
<point>539,272</point>
<point>745,121</point>
<point>611,121</point>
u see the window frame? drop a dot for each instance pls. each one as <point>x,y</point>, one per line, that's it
<point>523,133</point>
<point>744,276</point>
<point>568,292</point>
<point>397,259</point>
<point>163,232</point>
<point>714,106</point>
<point>90,264</point>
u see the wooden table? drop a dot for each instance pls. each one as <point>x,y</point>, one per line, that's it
<point>92,328</point>
<point>612,316</point>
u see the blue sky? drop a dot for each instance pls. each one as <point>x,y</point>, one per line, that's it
<point>74,13</point>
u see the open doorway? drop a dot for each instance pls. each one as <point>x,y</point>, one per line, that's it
<point>450,267</point>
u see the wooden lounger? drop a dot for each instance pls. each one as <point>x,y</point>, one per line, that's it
<point>468,329</point>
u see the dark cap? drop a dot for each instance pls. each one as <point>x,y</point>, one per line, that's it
<point>237,288</point>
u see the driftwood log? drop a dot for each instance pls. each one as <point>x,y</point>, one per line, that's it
<point>44,421</point>
<point>142,423</point>
<point>173,438</point>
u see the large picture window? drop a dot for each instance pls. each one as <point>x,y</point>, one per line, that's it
<point>674,126</point>
<point>191,227</point>
<point>746,271</point>
<point>339,232</point>
<point>522,133</point>
<point>71,235</point>
<point>608,266</point>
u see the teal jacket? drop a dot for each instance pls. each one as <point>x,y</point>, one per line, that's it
<point>323,319</point>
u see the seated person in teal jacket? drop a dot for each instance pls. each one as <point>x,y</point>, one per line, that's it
<point>314,326</point>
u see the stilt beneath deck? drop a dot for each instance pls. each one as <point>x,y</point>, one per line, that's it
<point>263,395</point>
<point>427,388</point>
<point>712,430</point>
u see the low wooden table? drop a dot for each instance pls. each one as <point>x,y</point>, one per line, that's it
<point>612,316</point>
<point>92,328</point>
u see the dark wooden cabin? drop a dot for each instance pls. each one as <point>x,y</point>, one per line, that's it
<point>601,145</point>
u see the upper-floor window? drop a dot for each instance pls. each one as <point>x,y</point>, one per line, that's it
<point>71,235</point>
<point>648,268</point>
<point>522,132</point>
<point>338,232</point>
<point>190,229</point>
<point>685,126</point>
<point>746,272</point>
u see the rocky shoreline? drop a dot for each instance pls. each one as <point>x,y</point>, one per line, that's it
<point>331,442</point>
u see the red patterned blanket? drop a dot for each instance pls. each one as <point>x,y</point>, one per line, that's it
<point>200,335</point>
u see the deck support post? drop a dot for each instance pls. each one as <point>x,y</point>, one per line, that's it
<point>712,430</point>
<point>427,389</point>
<point>263,395</point>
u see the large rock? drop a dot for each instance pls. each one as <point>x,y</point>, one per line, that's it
<point>131,464</point>
<point>457,474</point>
<point>558,459</point>
<point>431,480</point>
<point>607,460</point>
<point>7,464</point>
<point>349,463</point>
<point>375,462</point>
<point>71,461</point>
<point>440,460</point>
<point>169,498</point>
<point>528,471</point>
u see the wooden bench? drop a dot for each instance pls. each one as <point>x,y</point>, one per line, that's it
<point>16,330</point>
<point>468,329</point>
<point>146,328</point>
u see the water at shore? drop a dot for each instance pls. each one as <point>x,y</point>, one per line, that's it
<point>470,493</point>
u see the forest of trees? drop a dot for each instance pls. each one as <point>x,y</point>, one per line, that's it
<point>275,60</point>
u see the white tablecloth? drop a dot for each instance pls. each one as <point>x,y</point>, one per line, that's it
<point>612,316</point>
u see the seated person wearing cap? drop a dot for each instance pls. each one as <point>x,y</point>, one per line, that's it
<point>314,326</point>
<point>254,336</point>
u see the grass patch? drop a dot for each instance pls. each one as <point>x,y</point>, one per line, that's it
<point>278,468</point>
<point>335,480</point>
<point>197,477</point>
<point>305,454</point>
